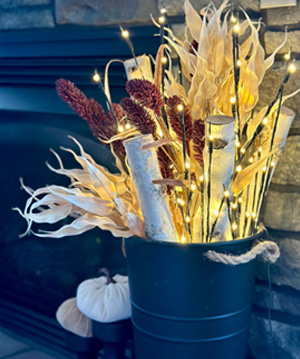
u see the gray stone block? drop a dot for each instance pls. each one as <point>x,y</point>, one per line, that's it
<point>288,169</point>
<point>274,38</point>
<point>284,301</point>
<point>282,209</point>
<point>8,4</point>
<point>286,270</point>
<point>285,339</point>
<point>270,86</point>
<point>175,7</point>
<point>102,12</point>
<point>283,15</point>
<point>26,18</point>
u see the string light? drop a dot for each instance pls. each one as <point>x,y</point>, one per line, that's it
<point>232,100</point>
<point>292,68</point>
<point>180,107</point>
<point>247,214</point>
<point>272,164</point>
<point>265,121</point>
<point>237,144</point>
<point>236,28</point>
<point>233,19</point>
<point>163,11</point>
<point>234,206</point>
<point>259,149</point>
<point>127,126</point>
<point>187,219</point>
<point>243,150</point>
<point>287,56</point>
<point>234,226</point>
<point>183,239</point>
<point>121,128</point>
<point>187,165</point>
<point>264,169</point>
<point>239,63</point>
<point>193,187</point>
<point>164,60</point>
<point>96,77</point>
<point>160,133</point>
<point>125,34</point>
<point>253,215</point>
<point>251,159</point>
<point>201,178</point>
<point>240,200</point>
<point>216,213</point>
<point>161,19</point>
<point>226,194</point>
<point>180,201</point>
<point>211,137</point>
<point>239,168</point>
<point>171,165</point>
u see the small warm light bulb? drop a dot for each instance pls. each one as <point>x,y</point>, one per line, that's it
<point>232,100</point>
<point>226,194</point>
<point>187,165</point>
<point>239,63</point>
<point>183,239</point>
<point>243,150</point>
<point>163,11</point>
<point>160,133</point>
<point>96,77</point>
<point>292,68</point>
<point>233,19</point>
<point>265,121</point>
<point>201,178</point>
<point>187,219</point>
<point>161,19</point>
<point>234,226</point>
<point>240,200</point>
<point>234,206</point>
<point>164,60</point>
<point>251,159</point>
<point>287,56</point>
<point>253,215</point>
<point>259,149</point>
<point>121,128</point>
<point>125,34</point>
<point>127,126</point>
<point>236,28</point>
<point>239,168</point>
<point>211,137</point>
<point>180,107</point>
<point>247,214</point>
<point>237,144</point>
<point>264,169</point>
<point>171,165</point>
<point>216,213</point>
<point>272,164</point>
<point>193,187</point>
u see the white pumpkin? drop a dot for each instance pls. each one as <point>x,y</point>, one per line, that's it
<point>105,299</point>
<point>71,318</point>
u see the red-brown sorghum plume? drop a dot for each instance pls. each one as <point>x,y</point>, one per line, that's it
<point>165,166</point>
<point>102,126</point>
<point>174,119</point>
<point>198,140</point>
<point>138,117</point>
<point>146,93</point>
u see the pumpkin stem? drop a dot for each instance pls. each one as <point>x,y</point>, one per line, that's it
<point>108,275</point>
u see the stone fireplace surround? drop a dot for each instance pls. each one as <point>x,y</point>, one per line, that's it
<point>43,40</point>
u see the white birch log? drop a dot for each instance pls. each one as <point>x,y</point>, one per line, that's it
<point>133,72</point>
<point>219,130</point>
<point>152,198</point>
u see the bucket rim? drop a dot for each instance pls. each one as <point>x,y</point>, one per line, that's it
<point>262,233</point>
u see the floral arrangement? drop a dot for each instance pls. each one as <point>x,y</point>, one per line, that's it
<point>194,153</point>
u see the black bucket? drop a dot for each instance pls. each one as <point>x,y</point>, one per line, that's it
<point>186,306</point>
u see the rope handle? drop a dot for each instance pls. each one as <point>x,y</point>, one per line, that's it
<point>269,250</point>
